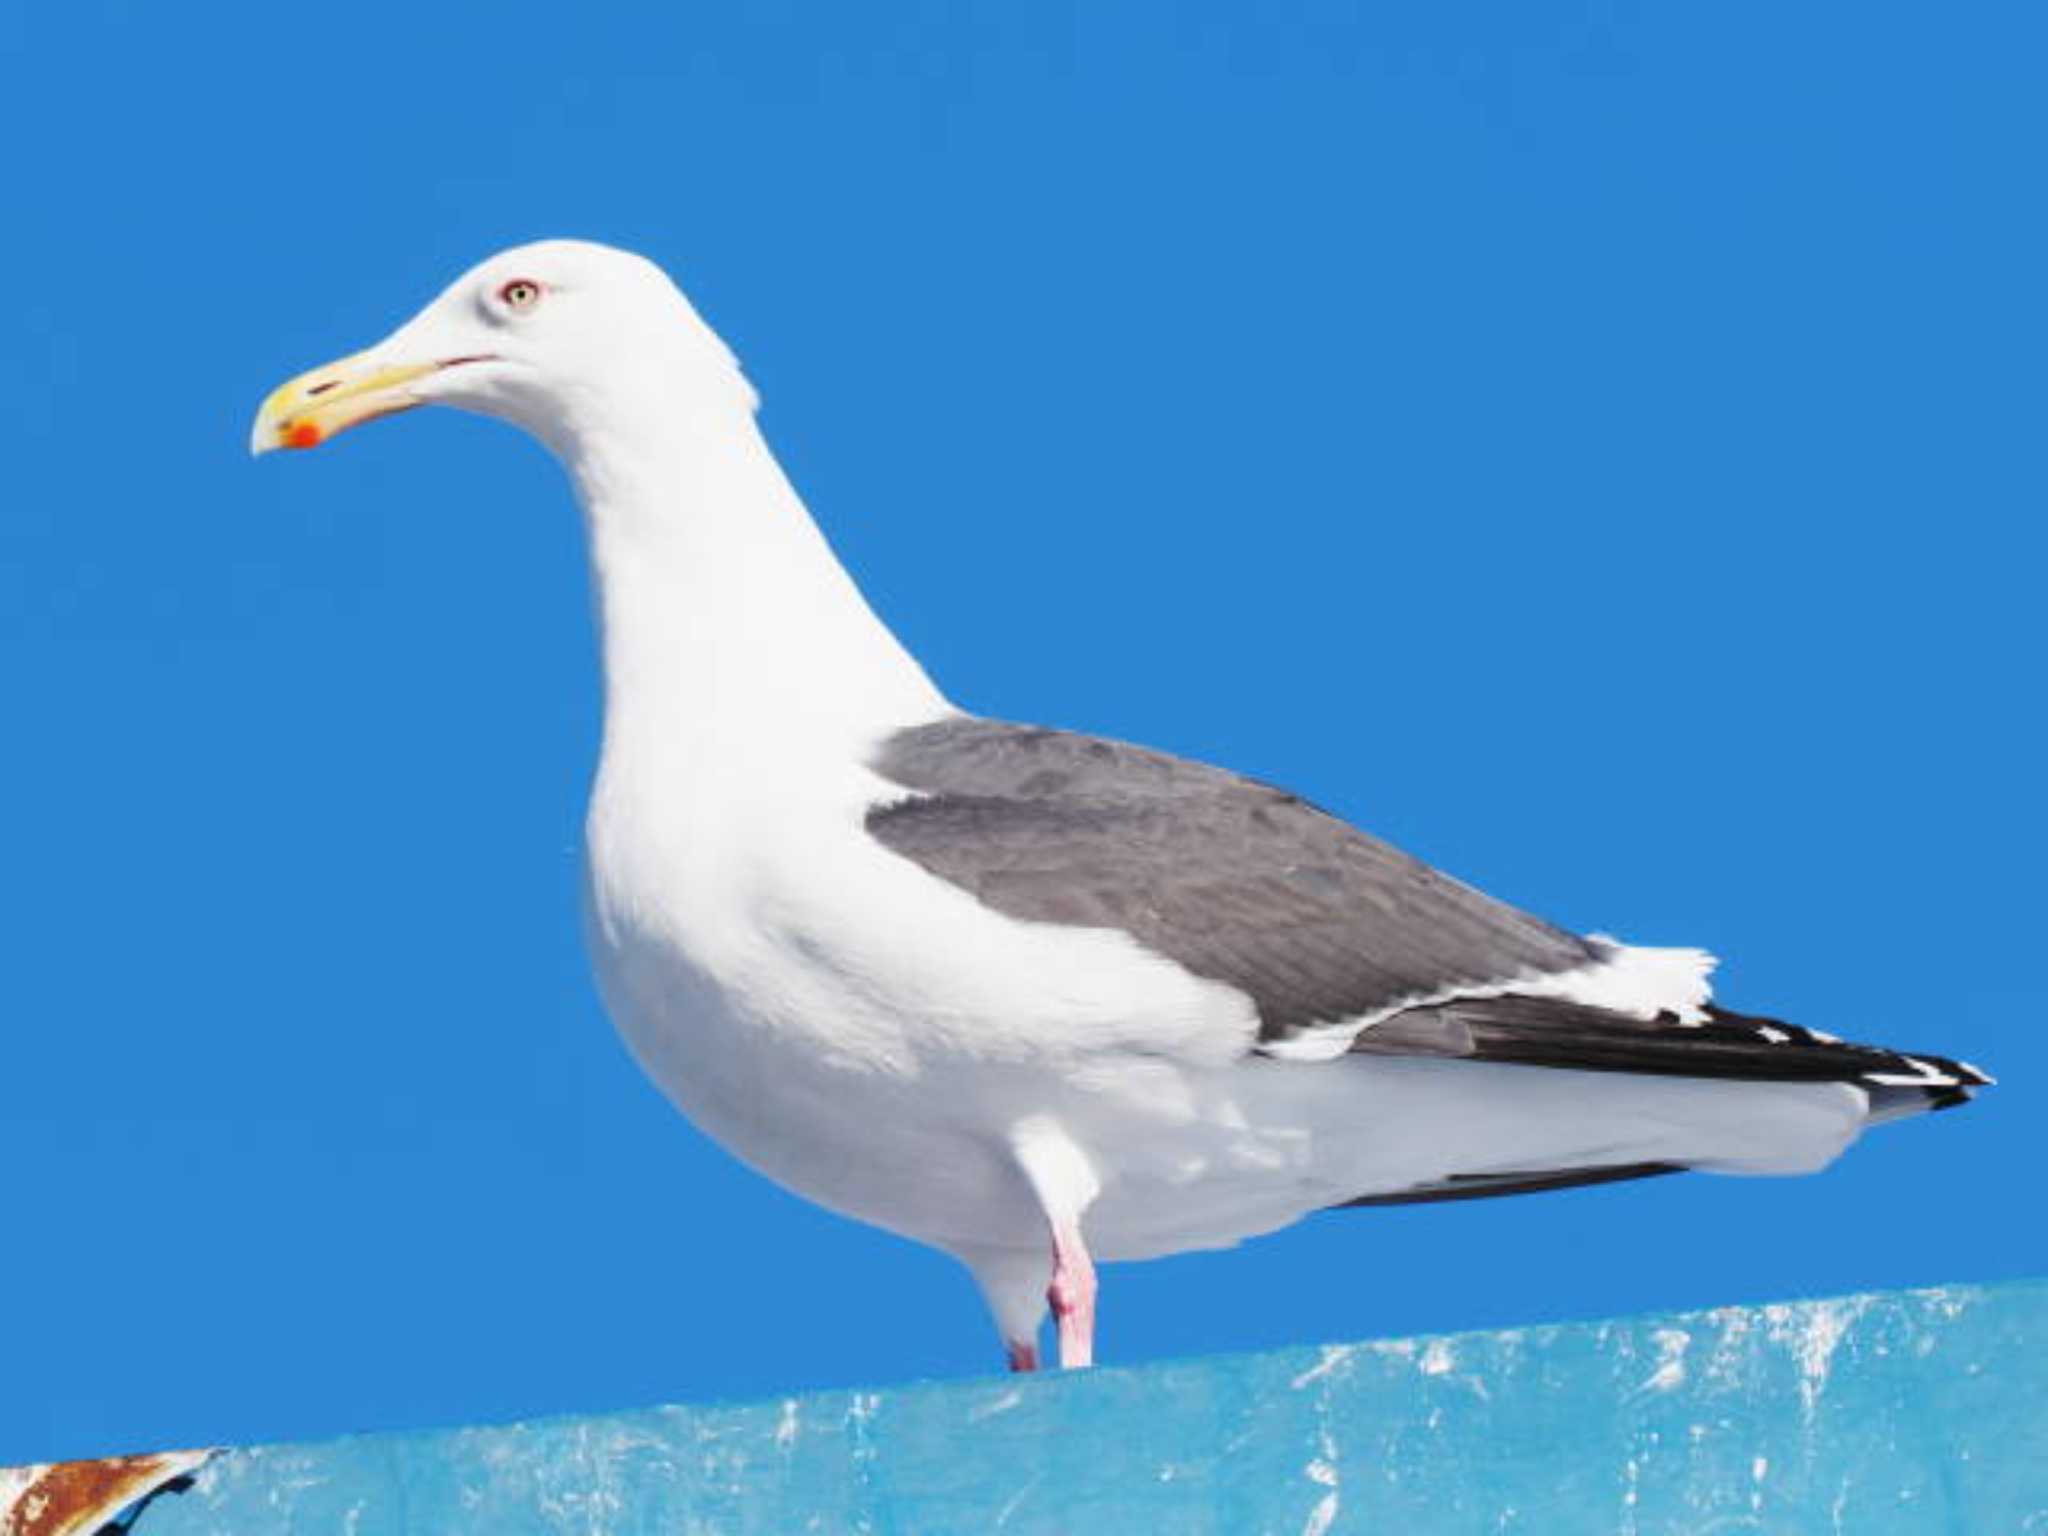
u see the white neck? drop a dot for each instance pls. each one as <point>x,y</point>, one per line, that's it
<point>733,640</point>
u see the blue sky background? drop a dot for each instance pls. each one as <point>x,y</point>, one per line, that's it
<point>1596,446</point>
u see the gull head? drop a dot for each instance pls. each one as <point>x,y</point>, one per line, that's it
<point>562,337</point>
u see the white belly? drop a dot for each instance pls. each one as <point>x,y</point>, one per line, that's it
<point>868,1037</point>
<point>824,1124</point>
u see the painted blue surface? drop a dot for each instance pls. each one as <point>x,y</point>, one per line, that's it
<point>1909,1411</point>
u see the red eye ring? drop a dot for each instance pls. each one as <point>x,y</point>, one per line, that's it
<point>522,293</point>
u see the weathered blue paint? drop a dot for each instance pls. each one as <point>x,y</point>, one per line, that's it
<point>1913,1411</point>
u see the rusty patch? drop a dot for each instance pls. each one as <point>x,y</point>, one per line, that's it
<point>75,1498</point>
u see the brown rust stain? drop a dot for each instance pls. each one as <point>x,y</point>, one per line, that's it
<point>75,1498</point>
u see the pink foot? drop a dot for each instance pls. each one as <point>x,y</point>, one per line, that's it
<point>1072,1297</point>
<point>1023,1357</point>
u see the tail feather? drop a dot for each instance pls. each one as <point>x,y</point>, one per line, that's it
<point>1725,1045</point>
<point>1555,1032</point>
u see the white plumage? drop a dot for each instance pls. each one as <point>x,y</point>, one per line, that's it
<point>893,989</point>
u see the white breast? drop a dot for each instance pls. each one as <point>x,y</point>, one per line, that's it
<point>861,1032</point>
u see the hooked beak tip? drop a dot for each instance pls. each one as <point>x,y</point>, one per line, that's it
<point>306,411</point>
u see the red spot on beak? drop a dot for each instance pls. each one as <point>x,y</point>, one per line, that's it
<point>304,435</point>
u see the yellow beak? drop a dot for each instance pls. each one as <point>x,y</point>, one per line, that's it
<point>315,406</point>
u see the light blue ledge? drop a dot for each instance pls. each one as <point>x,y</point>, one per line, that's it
<point>1906,1411</point>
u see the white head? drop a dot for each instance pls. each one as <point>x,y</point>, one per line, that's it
<point>561,337</point>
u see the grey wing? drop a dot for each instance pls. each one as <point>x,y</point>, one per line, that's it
<point>1317,922</point>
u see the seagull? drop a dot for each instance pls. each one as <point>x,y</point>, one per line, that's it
<point>1032,997</point>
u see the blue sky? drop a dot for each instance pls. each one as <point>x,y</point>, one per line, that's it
<point>1595,446</point>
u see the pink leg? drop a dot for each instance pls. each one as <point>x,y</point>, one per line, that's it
<point>1072,1297</point>
<point>1023,1357</point>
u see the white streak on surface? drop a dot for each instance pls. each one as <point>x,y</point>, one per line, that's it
<point>1335,1357</point>
<point>1726,1364</point>
<point>995,1405</point>
<point>1323,1472</point>
<point>1669,1373</point>
<point>1010,1504</point>
<point>1321,1468</point>
<point>1812,1331</point>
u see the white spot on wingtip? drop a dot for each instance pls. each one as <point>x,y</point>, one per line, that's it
<point>1925,1077</point>
<point>1438,1358</point>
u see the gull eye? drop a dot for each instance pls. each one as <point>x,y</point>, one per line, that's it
<point>521,294</point>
